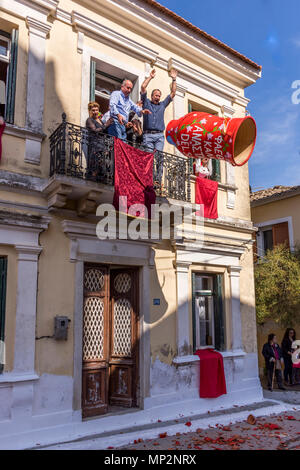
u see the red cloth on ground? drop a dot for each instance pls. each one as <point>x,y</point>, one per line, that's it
<point>133,177</point>
<point>212,377</point>
<point>1,132</point>
<point>207,194</point>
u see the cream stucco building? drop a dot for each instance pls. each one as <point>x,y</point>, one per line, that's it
<point>133,306</point>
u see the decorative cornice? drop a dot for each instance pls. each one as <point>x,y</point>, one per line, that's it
<point>242,101</point>
<point>203,49</point>
<point>228,111</point>
<point>82,22</point>
<point>37,27</point>
<point>202,79</point>
<point>63,15</point>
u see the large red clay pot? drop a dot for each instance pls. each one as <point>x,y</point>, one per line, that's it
<point>200,135</point>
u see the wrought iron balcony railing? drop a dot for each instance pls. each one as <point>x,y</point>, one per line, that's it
<point>77,152</point>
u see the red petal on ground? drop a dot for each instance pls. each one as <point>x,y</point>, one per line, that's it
<point>110,447</point>
<point>291,418</point>
<point>162,435</point>
<point>159,420</point>
<point>188,423</point>
<point>177,443</point>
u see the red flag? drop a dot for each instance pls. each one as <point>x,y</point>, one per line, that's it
<point>133,177</point>
<point>207,194</point>
<point>2,127</point>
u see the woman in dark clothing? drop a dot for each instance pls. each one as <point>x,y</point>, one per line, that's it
<point>273,357</point>
<point>134,132</point>
<point>286,346</point>
<point>96,145</point>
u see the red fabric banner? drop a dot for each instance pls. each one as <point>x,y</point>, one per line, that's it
<point>1,132</point>
<point>212,377</point>
<point>207,194</point>
<point>133,178</point>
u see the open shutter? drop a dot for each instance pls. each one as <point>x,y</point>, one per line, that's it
<point>219,314</point>
<point>281,234</point>
<point>3,274</point>
<point>92,80</point>
<point>12,78</point>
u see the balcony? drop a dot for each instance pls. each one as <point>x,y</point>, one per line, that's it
<point>82,170</point>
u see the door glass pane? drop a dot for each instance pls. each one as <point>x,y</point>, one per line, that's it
<point>3,48</point>
<point>204,321</point>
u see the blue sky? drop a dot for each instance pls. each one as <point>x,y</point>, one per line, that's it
<point>268,32</point>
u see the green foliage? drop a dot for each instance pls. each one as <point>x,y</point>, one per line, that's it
<point>277,287</point>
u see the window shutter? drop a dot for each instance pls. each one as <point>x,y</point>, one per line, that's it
<point>3,274</point>
<point>216,170</point>
<point>281,234</point>
<point>92,80</point>
<point>219,313</point>
<point>193,310</point>
<point>12,78</point>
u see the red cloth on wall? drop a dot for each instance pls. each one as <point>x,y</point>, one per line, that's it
<point>133,177</point>
<point>207,194</point>
<point>212,377</point>
<point>1,132</point>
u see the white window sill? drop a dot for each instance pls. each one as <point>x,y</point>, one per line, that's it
<point>190,359</point>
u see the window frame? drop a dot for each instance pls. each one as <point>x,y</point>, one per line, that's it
<point>216,293</point>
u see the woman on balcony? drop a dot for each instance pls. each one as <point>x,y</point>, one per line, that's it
<point>96,141</point>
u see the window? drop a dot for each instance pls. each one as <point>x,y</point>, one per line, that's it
<point>269,236</point>
<point>104,85</point>
<point>214,165</point>
<point>8,71</point>
<point>3,274</point>
<point>208,315</point>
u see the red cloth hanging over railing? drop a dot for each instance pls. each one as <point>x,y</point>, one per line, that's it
<point>133,177</point>
<point>2,127</point>
<point>207,194</point>
<point>212,377</point>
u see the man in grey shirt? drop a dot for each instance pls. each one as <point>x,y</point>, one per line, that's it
<point>154,124</point>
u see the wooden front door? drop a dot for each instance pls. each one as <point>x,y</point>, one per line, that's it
<point>95,353</point>
<point>124,337</point>
<point>110,334</point>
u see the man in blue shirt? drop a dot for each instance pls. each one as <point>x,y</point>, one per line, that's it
<point>120,106</point>
<point>154,124</point>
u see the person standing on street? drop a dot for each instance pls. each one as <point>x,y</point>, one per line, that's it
<point>154,124</point>
<point>273,357</point>
<point>286,347</point>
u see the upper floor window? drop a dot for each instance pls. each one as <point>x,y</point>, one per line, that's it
<point>268,236</point>
<point>8,73</point>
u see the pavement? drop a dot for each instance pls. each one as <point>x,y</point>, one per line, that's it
<point>276,426</point>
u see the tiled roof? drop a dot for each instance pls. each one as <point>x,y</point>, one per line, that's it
<point>273,193</point>
<point>197,30</point>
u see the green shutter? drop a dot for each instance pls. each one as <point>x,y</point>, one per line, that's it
<point>216,172</point>
<point>92,80</point>
<point>193,310</point>
<point>219,314</point>
<point>3,275</point>
<point>12,78</point>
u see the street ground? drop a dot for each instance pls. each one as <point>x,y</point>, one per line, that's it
<point>275,432</point>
